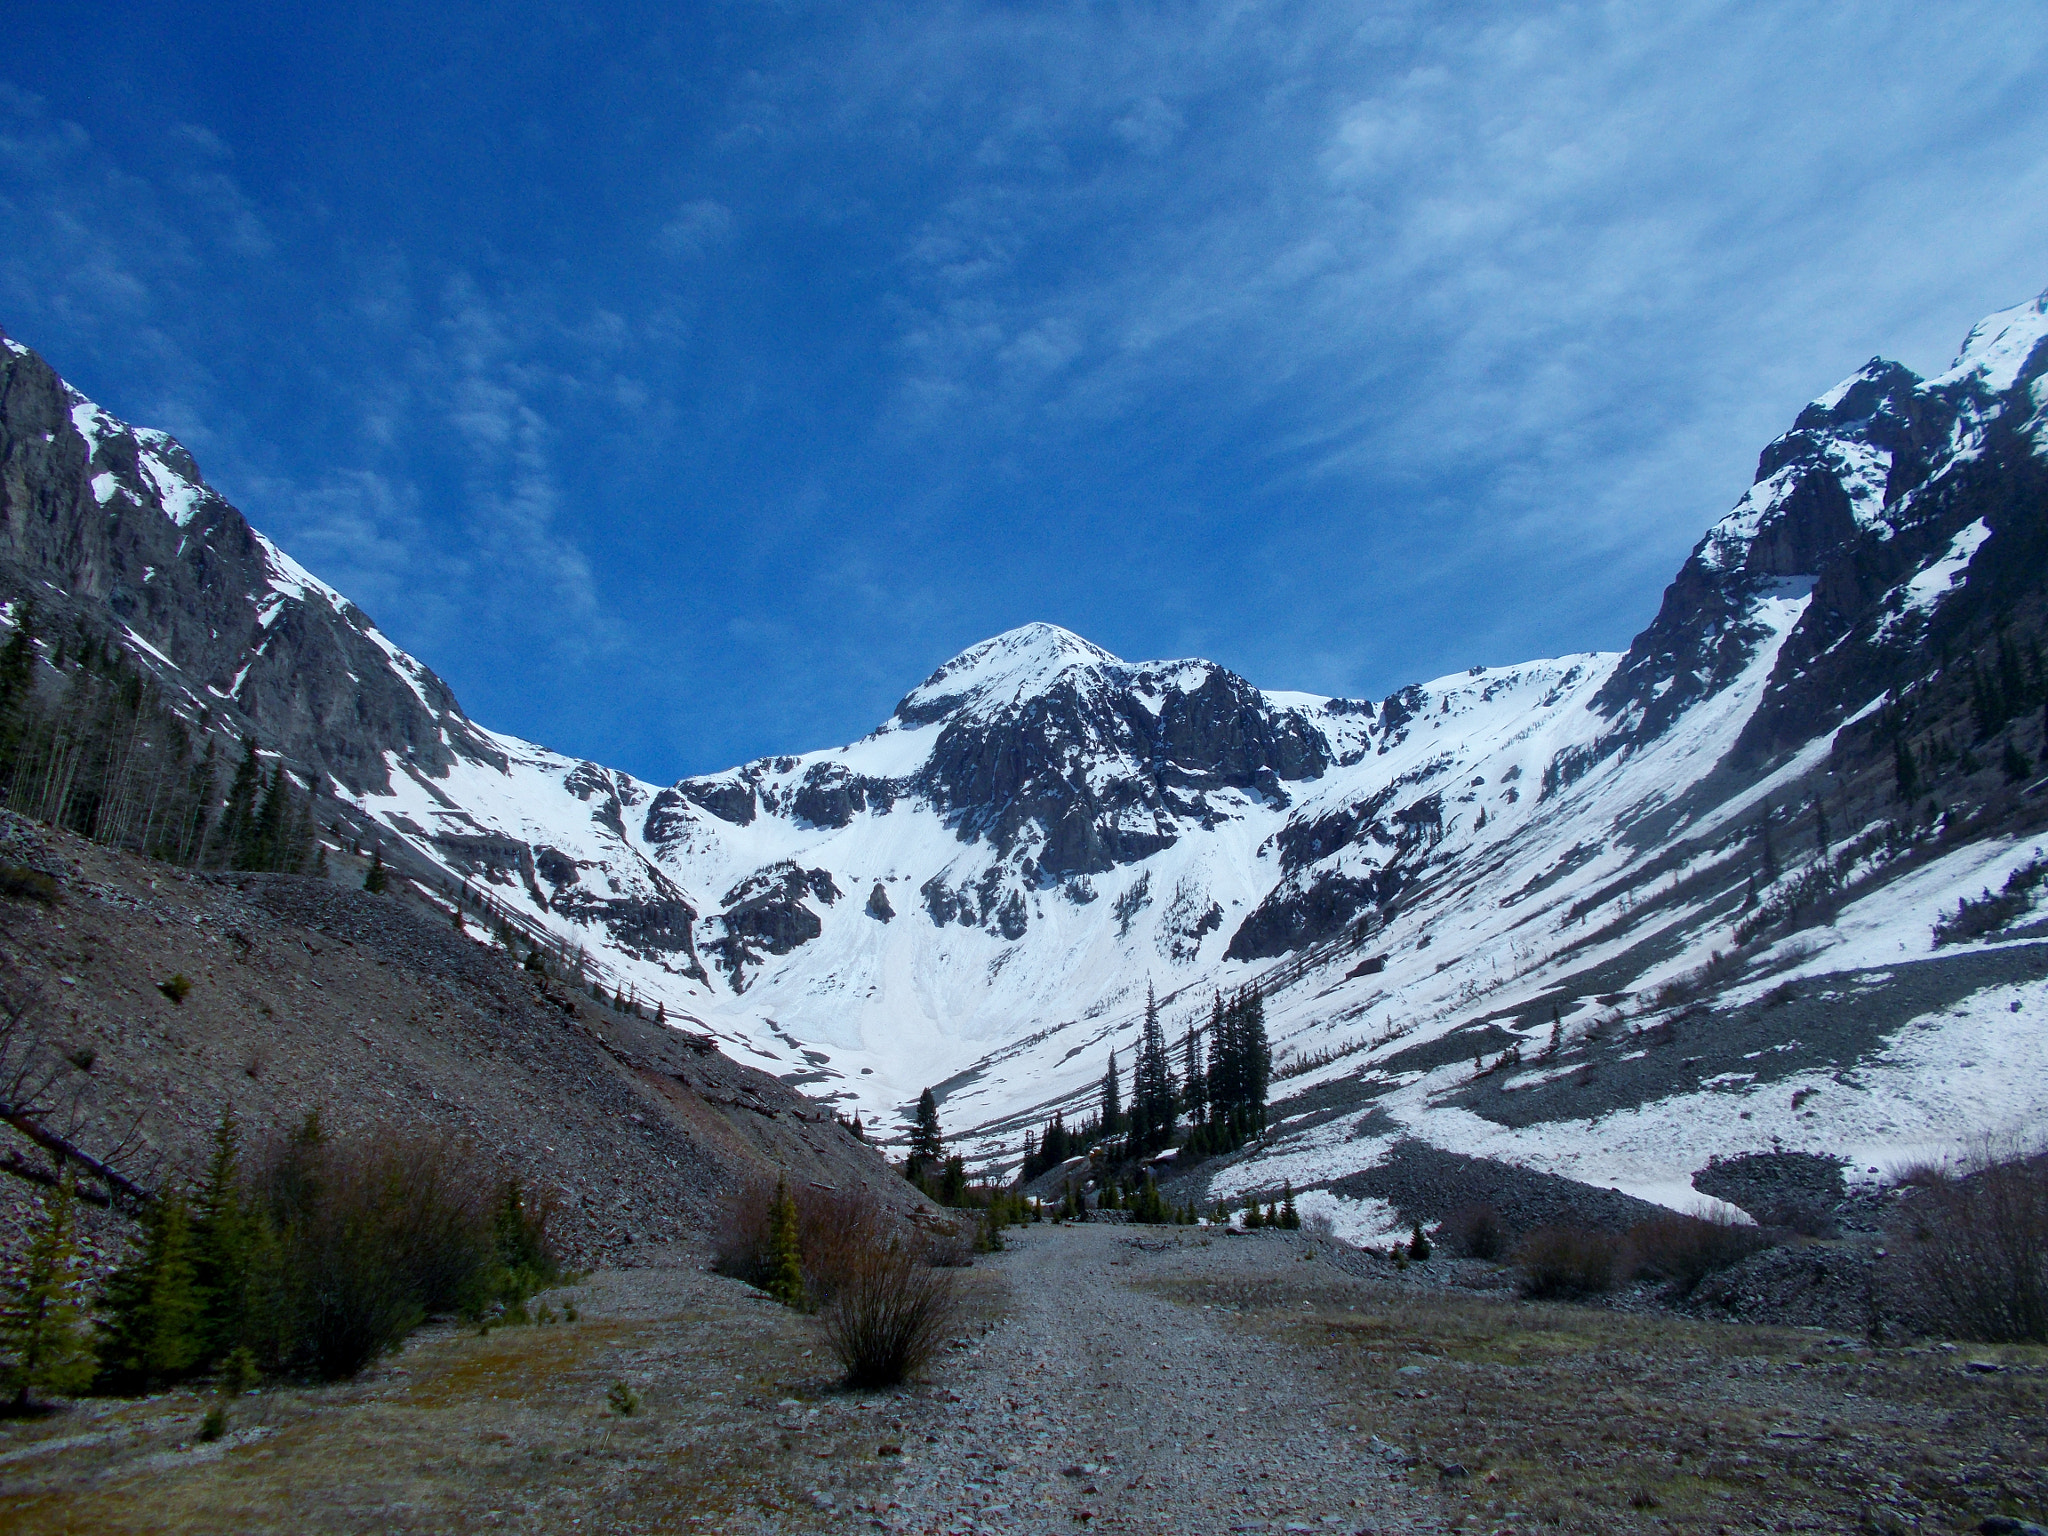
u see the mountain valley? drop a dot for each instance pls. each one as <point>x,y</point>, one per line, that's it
<point>1600,918</point>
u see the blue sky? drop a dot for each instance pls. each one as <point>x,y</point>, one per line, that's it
<point>684,383</point>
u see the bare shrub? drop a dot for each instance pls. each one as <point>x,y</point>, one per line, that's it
<point>740,1250</point>
<point>1980,1255</point>
<point>1568,1261</point>
<point>834,1227</point>
<point>22,884</point>
<point>1923,1174</point>
<point>1686,1249</point>
<point>890,1312</point>
<point>1476,1232</point>
<point>1989,913</point>
<point>1704,981</point>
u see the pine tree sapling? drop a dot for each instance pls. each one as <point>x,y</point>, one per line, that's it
<point>785,1251</point>
<point>221,1240</point>
<point>48,1349</point>
<point>152,1327</point>
<point>376,881</point>
<point>1418,1245</point>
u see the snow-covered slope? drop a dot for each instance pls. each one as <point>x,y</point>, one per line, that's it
<point>977,895</point>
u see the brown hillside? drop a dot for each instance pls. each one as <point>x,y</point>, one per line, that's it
<point>308,993</point>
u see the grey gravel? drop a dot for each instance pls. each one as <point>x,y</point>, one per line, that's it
<point>1095,1405</point>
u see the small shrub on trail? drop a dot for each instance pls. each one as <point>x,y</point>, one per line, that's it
<point>947,1249</point>
<point>1686,1249</point>
<point>622,1400</point>
<point>1568,1261</point>
<point>889,1314</point>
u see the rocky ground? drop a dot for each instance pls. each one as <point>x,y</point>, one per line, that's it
<point>314,994</point>
<point>1099,1377</point>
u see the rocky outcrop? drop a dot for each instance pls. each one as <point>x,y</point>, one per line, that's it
<point>1301,912</point>
<point>115,526</point>
<point>766,914</point>
<point>1872,485</point>
<point>1032,773</point>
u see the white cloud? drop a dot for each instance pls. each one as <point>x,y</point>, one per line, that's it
<point>695,228</point>
<point>1149,126</point>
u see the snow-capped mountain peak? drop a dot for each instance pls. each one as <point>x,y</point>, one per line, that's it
<point>1004,670</point>
<point>1998,347</point>
<point>978,896</point>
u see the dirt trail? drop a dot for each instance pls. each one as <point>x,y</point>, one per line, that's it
<point>1096,1405</point>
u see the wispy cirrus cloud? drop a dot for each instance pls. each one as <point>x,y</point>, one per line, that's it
<point>692,407</point>
<point>1472,282</point>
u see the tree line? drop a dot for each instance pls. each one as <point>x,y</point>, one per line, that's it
<point>1215,1103</point>
<point>89,744</point>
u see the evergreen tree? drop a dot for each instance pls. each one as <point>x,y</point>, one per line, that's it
<point>17,687</point>
<point>235,833</point>
<point>1418,1245</point>
<point>1768,847</point>
<point>41,1330</point>
<point>1194,1085</point>
<point>270,847</point>
<point>1822,837</point>
<point>785,1251</point>
<point>1905,772</point>
<point>927,1145</point>
<point>1220,1087</point>
<point>1256,1073</point>
<point>2015,764</point>
<point>1290,1219</point>
<point>1112,1100</point>
<point>1152,1097</point>
<point>220,1243</point>
<point>376,882</point>
<point>153,1322</point>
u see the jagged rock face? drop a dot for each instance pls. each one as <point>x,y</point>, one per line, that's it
<point>729,799</point>
<point>1107,764</point>
<point>1817,488</point>
<point>119,518</point>
<point>1872,483</point>
<point>766,914</point>
<point>1857,638</point>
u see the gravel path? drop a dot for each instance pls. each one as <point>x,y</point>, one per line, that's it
<point>1094,1405</point>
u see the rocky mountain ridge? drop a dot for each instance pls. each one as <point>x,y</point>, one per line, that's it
<point>978,894</point>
